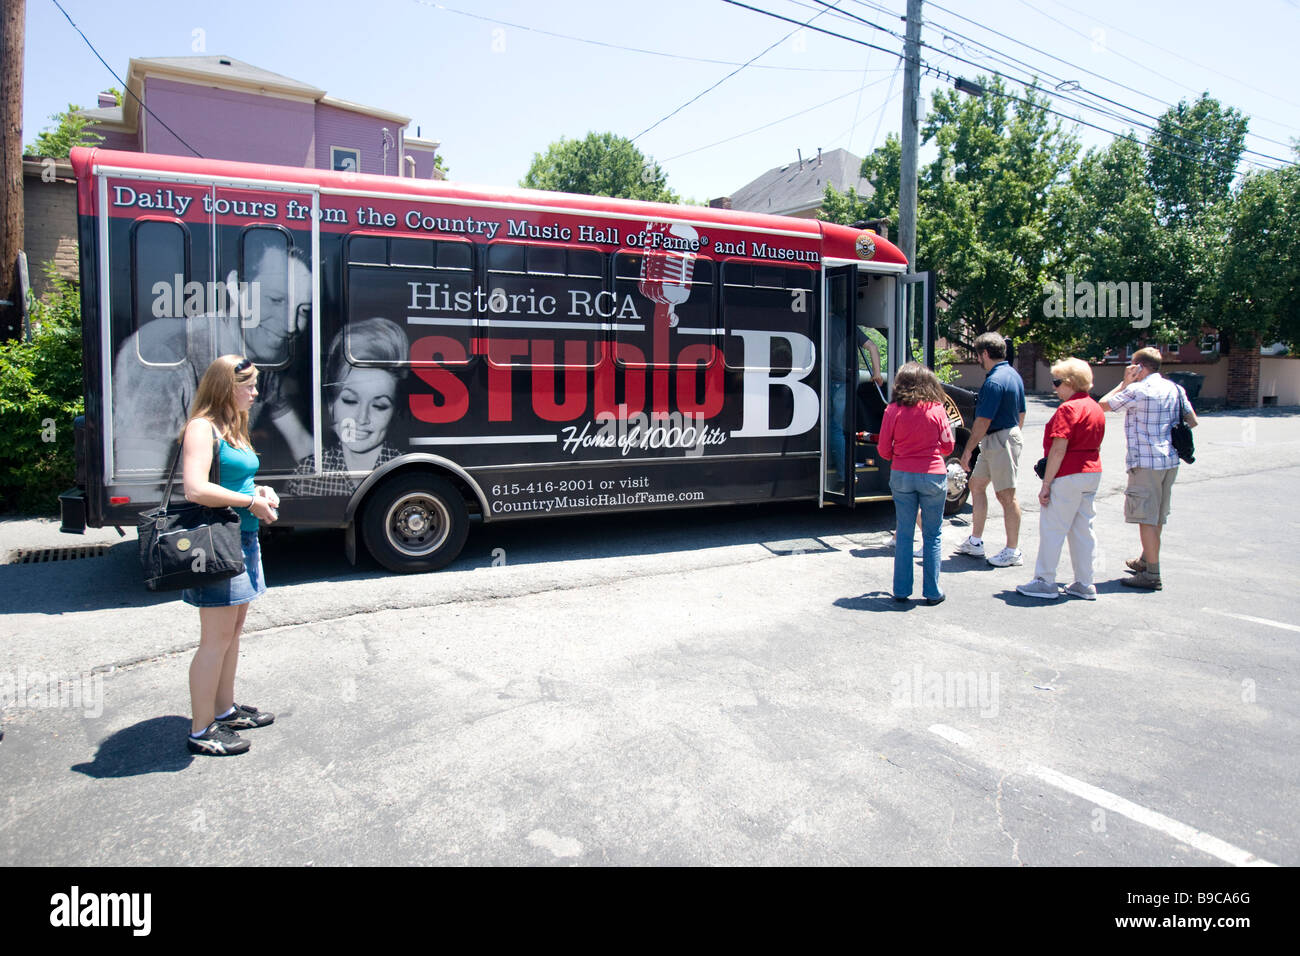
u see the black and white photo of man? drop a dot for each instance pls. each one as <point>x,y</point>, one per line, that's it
<point>157,368</point>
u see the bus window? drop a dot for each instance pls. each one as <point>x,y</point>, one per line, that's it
<point>160,254</point>
<point>425,286</point>
<point>692,302</point>
<point>265,262</point>
<point>773,299</point>
<point>546,307</point>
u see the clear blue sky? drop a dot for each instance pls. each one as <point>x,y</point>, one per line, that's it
<point>495,94</point>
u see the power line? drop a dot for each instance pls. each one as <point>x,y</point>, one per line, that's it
<point>1028,85</point>
<point>1148,69</point>
<point>725,78</point>
<point>1185,59</point>
<point>1072,65</point>
<point>124,86</point>
<point>621,47</point>
<point>775,122</point>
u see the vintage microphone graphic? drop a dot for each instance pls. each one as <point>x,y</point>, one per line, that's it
<point>666,281</point>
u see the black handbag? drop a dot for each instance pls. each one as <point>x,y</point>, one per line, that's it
<point>1040,468</point>
<point>1180,435</point>
<point>189,545</point>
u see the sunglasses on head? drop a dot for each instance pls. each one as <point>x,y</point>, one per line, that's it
<point>243,365</point>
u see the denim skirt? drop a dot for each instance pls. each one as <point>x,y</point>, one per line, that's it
<point>240,589</point>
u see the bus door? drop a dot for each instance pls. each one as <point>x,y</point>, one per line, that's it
<point>270,268</point>
<point>915,319</point>
<point>839,423</point>
<point>876,314</point>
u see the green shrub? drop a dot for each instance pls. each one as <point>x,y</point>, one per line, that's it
<point>40,394</point>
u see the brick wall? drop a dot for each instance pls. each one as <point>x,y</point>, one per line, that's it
<point>1243,372</point>
<point>50,227</point>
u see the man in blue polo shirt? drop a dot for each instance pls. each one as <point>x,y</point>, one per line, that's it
<point>999,416</point>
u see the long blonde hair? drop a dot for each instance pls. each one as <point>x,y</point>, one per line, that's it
<point>215,399</point>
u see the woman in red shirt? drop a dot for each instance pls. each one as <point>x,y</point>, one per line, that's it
<point>915,437</point>
<point>1072,444</point>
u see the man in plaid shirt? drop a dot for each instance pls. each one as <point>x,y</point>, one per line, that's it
<point>1152,405</point>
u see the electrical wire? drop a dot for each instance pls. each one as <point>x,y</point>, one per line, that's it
<point>125,88</point>
<point>775,122</point>
<point>1073,66</point>
<point>621,47</point>
<point>710,89</point>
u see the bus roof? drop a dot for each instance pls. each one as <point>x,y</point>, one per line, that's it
<point>838,242</point>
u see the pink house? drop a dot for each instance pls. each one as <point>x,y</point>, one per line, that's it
<point>223,108</point>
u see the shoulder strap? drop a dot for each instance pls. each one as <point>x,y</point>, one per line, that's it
<point>214,470</point>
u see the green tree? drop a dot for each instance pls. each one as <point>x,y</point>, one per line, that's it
<point>602,164</point>
<point>70,130</point>
<point>984,225</point>
<point>1106,219</point>
<point>1192,158</point>
<point>1257,291</point>
<point>40,394</point>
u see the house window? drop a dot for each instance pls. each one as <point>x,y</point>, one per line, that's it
<point>345,159</point>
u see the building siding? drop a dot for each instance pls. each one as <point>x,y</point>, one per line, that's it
<point>345,129</point>
<point>225,124</point>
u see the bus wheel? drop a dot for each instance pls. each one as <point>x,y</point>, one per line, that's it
<point>415,522</point>
<point>958,486</point>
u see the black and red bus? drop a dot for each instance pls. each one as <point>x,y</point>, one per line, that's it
<point>434,353</point>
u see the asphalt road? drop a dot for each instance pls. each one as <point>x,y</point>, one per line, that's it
<point>731,686</point>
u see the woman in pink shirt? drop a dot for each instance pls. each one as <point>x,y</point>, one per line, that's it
<point>915,437</point>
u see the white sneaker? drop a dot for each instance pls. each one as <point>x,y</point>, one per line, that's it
<point>968,547</point>
<point>1085,591</point>
<point>1006,558</point>
<point>1038,588</point>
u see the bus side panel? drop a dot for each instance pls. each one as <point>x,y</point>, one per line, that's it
<point>91,439</point>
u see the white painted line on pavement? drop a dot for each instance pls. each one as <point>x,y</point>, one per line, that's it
<point>1253,620</point>
<point>1104,798</point>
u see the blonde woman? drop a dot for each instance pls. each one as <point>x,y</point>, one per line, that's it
<point>1072,445</point>
<point>219,414</point>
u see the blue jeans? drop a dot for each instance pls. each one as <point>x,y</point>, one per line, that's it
<point>927,492</point>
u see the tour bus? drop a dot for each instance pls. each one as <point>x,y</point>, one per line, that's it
<point>433,353</point>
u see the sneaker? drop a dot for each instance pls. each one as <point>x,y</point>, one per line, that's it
<point>968,547</point>
<point>1085,591</point>
<point>931,602</point>
<point>245,718</point>
<point>1006,558</point>
<point>1138,564</point>
<point>1145,580</point>
<point>1039,588</point>
<point>217,741</point>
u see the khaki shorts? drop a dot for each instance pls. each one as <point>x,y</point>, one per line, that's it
<point>999,459</point>
<point>1146,500</point>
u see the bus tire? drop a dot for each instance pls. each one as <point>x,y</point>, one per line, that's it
<point>415,522</point>
<point>958,485</point>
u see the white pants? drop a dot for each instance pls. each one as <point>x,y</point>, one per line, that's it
<point>1068,514</point>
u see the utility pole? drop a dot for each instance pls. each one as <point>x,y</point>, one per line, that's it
<point>11,165</point>
<point>911,133</point>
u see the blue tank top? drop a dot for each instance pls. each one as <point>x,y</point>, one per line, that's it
<point>238,466</point>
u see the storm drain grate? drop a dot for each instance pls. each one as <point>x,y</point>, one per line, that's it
<point>44,555</point>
